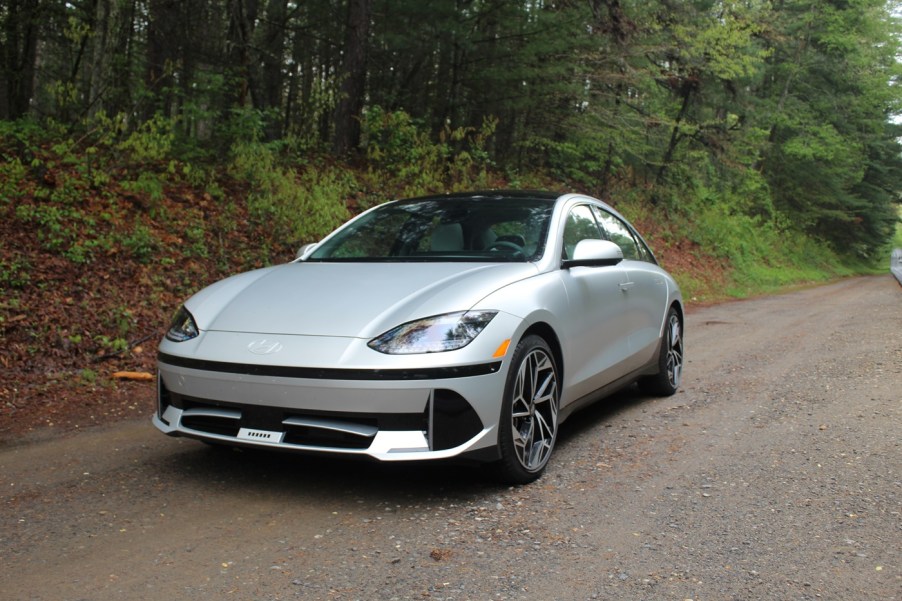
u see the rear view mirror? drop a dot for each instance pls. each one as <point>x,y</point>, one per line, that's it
<point>594,253</point>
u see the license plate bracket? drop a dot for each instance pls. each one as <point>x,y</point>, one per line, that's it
<point>261,436</point>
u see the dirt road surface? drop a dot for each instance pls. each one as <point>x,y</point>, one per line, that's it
<point>776,473</point>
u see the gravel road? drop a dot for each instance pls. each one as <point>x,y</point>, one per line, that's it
<point>776,473</point>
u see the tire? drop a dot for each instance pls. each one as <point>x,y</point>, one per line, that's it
<point>670,360</point>
<point>529,413</point>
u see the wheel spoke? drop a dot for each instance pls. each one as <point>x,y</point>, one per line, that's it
<point>675,334</point>
<point>542,444</point>
<point>526,442</point>
<point>543,392</point>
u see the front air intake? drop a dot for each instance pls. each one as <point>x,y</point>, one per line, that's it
<point>454,421</point>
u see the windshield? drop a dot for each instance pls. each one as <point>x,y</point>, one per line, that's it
<point>444,229</point>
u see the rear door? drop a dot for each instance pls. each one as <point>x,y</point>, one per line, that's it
<point>646,288</point>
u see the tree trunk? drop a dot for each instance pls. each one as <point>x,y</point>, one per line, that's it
<point>353,83</point>
<point>106,29</point>
<point>19,55</point>
<point>273,49</point>
<point>120,97</point>
<point>675,136</point>
<point>242,21</point>
<point>162,46</point>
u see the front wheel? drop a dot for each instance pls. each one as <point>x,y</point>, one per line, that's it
<point>528,426</point>
<point>670,360</point>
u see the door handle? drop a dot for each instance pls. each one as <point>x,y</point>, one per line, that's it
<point>626,285</point>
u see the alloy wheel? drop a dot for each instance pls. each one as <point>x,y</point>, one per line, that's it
<point>534,410</point>
<point>674,351</point>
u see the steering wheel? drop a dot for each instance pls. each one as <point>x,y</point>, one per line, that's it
<point>499,244</point>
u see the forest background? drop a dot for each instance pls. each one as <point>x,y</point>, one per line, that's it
<point>150,147</point>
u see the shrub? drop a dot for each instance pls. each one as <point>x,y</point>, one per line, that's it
<point>141,243</point>
<point>152,141</point>
<point>295,208</point>
<point>404,158</point>
<point>15,273</point>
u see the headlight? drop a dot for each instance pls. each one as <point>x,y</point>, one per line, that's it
<point>435,334</point>
<point>183,327</point>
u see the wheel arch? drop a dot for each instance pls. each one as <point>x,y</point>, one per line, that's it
<point>547,333</point>
<point>676,304</point>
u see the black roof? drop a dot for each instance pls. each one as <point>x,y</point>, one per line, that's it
<point>494,194</point>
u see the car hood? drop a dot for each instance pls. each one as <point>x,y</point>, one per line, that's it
<point>347,299</point>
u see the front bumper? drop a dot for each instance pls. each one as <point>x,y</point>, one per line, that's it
<point>384,414</point>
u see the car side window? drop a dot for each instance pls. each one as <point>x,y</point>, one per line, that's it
<point>580,225</point>
<point>618,233</point>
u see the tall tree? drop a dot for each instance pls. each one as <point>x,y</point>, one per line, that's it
<point>163,42</point>
<point>272,48</point>
<point>242,15</point>
<point>829,89</point>
<point>20,23</point>
<point>353,78</point>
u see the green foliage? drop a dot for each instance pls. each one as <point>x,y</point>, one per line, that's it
<point>294,207</point>
<point>123,320</point>
<point>84,250</point>
<point>12,174</point>
<point>196,239</point>
<point>141,243</point>
<point>723,45</point>
<point>754,123</point>
<point>396,145</point>
<point>763,255</point>
<point>88,376</point>
<point>201,117</point>
<point>575,160</point>
<point>15,273</point>
<point>202,177</point>
<point>318,205</point>
<point>148,184</point>
<point>152,141</point>
<point>22,134</point>
<point>243,126</point>
<point>833,162</point>
<point>56,225</point>
<point>63,177</point>
<point>399,149</point>
<point>111,345</point>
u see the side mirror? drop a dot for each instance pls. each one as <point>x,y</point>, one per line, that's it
<point>304,251</point>
<point>594,253</point>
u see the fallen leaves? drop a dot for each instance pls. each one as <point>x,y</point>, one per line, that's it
<point>441,554</point>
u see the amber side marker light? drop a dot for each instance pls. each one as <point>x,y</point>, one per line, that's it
<point>502,349</point>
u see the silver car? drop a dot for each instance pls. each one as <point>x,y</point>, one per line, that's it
<point>466,325</point>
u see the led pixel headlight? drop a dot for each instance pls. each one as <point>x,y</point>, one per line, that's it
<point>183,327</point>
<point>435,334</point>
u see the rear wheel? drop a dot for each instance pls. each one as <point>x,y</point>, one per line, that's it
<point>528,426</point>
<point>670,360</point>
